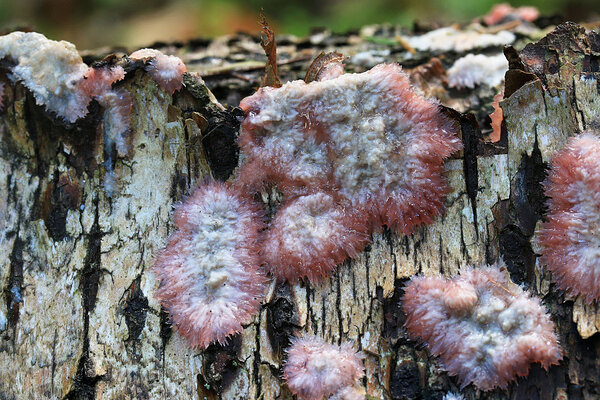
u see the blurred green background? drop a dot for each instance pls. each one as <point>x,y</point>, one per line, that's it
<point>94,23</point>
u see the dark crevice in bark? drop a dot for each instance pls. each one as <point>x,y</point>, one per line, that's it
<point>205,391</point>
<point>256,361</point>
<point>323,318</point>
<point>527,205</point>
<point>405,381</point>
<point>14,288</point>
<point>84,383</point>
<point>517,254</point>
<point>394,318</point>
<point>184,181</point>
<point>49,135</point>
<point>470,135</point>
<point>220,133</point>
<point>309,307</point>
<point>367,253</point>
<point>463,245</point>
<point>135,308</point>
<point>220,366</point>
<point>219,141</point>
<point>53,368</point>
<point>91,272</point>
<point>282,318</point>
<point>338,306</point>
<point>166,330</point>
<point>62,194</point>
<point>527,197</point>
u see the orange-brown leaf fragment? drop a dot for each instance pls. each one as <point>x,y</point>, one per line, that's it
<point>497,117</point>
<point>325,66</point>
<point>270,47</point>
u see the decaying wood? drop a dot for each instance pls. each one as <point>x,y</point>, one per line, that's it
<point>78,318</point>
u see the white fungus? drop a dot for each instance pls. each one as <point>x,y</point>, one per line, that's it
<point>477,69</point>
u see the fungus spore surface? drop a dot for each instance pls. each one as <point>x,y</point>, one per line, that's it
<point>167,71</point>
<point>367,137</point>
<point>209,274</point>
<point>570,239</point>
<point>476,69</point>
<point>315,369</point>
<point>310,235</point>
<point>485,329</point>
<point>51,70</point>
<point>350,153</point>
<point>452,39</point>
<point>59,80</point>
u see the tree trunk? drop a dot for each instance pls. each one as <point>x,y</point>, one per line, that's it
<point>79,319</point>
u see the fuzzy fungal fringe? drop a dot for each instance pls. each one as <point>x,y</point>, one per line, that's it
<point>350,153</point>
<point>310,235</point>
<point>209,274</point>
<point>315,369</point>
<point>55,73</point>
<point>569,237</point>
<point>485,329</point>
<point>166,71</point>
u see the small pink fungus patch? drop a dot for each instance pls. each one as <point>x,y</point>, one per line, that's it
<point>210,282</point>
<point>166,71</point>
<point>355,392</point>
<point>310,235</point>
<point>118,105</point>
<point>315,369</point>
<point>485,329</point>
<point>569,238</point>
<point>504,12</point>
<point>98,81</point>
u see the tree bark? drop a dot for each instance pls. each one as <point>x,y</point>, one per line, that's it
<point>79,319</point>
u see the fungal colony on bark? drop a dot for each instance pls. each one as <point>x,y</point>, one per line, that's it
<point>61,82</point>
<point>485,329</point>
<point>315,370</point>
<point>569,238</point>
<point>349,154</point>
<point>338,187</point>
<point>209,272</point>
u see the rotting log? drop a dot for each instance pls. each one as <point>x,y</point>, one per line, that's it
<point>78,319</point>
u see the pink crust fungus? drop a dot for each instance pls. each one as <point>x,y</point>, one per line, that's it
<point>369,137</point>
<point>569,238</point>
<point>504,12</point>
<point>485,329</point>
<point>315,369</point>
<point>368,140</point>
<point>167,71</point>
<point>118,106</point>
<point>98,81</point>
<point>310,235</point>
<point>209,274</point>
<point>355,392</point>
<point>55,73</point>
